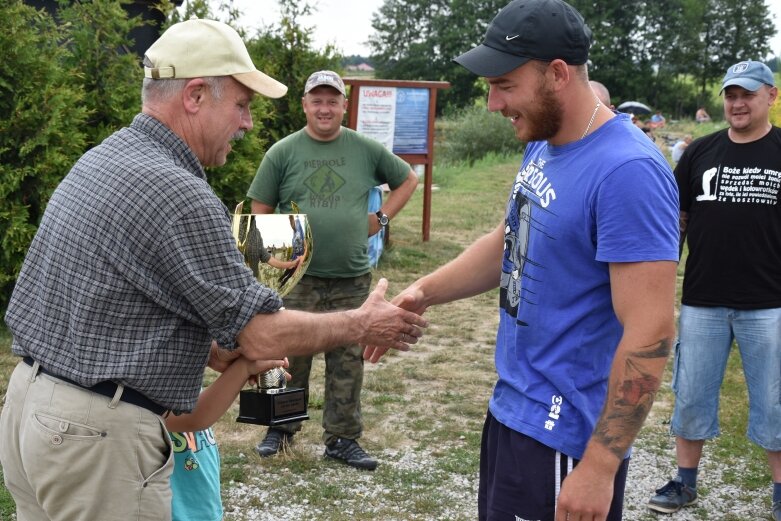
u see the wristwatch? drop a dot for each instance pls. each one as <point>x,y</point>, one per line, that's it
<point>382,218</point>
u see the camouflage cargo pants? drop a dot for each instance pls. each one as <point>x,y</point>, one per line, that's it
<point>343,365</point>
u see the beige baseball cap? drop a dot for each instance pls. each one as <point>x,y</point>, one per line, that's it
<point>200,48</point>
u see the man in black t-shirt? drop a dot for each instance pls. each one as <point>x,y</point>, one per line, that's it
<point>729,184</point>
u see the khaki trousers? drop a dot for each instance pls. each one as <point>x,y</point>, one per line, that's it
<point>72,455</point>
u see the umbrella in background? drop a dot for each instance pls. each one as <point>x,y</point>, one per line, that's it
<point>635,107</point>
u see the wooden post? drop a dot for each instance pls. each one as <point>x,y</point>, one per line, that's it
<point>427,158</point>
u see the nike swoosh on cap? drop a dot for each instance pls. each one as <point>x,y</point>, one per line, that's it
<point>508,38</point>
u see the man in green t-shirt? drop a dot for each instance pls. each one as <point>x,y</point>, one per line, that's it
<point>328,171</point>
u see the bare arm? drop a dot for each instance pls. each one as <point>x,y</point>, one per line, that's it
<point>396,200</point>
<point>282,265</point>
<point>683,224</point>
<point>294,333</point>
<point>219,396</point>
<point>258,207</point>
<point>643,298</point>
<point>477,270</point>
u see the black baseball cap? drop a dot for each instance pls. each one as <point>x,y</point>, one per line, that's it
<point>526,30</point>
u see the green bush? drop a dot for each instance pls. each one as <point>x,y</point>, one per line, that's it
<point>43,124</point>
<point>66,85</point>
<point>102,64</point>
<point>473,133</point>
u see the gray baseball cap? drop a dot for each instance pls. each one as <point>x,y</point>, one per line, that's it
<point>750,75</point>
<point>329,78</point>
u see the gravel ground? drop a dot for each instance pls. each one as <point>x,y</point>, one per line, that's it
<point>718,500</point>
<point>648,471</point>
<point>460,493</point>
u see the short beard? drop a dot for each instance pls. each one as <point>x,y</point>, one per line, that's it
<point>544,122</point>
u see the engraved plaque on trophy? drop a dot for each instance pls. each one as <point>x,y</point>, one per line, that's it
<point>288,240</point>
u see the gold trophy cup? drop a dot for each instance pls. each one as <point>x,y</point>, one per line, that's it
<point>288,240</point>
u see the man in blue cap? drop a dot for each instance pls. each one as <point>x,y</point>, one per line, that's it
<point>729,184</point>
<point>585,262</point>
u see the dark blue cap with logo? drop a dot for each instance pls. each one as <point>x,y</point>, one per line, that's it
<point>526,30</point>
<point>750,75</point>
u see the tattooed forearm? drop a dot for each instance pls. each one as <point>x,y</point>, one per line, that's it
<point>630,397</point>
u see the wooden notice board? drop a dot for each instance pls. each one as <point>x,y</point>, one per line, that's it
<point>400,115</point>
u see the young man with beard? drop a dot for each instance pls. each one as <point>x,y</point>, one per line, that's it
<point>585,260</point>
<point>730,186</point>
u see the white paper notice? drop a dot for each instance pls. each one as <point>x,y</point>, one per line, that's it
<point>377,114</point>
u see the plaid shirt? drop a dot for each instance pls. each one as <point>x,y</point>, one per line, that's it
<point>134,270</point>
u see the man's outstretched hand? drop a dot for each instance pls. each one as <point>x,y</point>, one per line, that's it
<point>387,325</point>
<point>411,299</point>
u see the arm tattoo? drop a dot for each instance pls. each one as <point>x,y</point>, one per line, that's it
<point>630,398</point>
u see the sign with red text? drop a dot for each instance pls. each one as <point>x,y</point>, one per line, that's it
<point>396,117</point>
<point>377,114</point>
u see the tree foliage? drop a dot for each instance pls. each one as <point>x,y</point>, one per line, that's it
<point>418,39</point>
<point>104,67</point>
<point>43,127</point>
<point>66,84</point>
<point>666,53</point>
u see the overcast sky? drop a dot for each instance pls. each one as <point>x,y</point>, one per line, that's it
<point>347,23</point>
<point>775,43</point>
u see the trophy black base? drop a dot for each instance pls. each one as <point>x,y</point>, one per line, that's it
<point>272,408</point>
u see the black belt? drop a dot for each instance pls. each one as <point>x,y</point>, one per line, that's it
<point>108,388</point>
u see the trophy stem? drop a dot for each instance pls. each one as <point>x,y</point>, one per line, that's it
<point>273,379</point>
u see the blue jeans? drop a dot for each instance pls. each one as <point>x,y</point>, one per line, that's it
<point>705,338</point>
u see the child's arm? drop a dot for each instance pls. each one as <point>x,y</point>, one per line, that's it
<point>219,396</point>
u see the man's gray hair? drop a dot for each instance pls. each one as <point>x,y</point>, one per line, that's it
<point>163,90</point>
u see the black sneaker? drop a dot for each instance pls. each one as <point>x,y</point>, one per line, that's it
<point>672,497</point>
<point>777,511</point>
<point>273,441</point>
<point>351,453</point>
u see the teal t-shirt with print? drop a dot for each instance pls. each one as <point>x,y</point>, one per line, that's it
<point>195,482</point>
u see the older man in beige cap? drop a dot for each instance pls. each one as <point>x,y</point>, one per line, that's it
<point>132,275</point>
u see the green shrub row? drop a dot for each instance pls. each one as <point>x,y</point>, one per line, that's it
<point>66,84</point>
<point>468,135</point>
